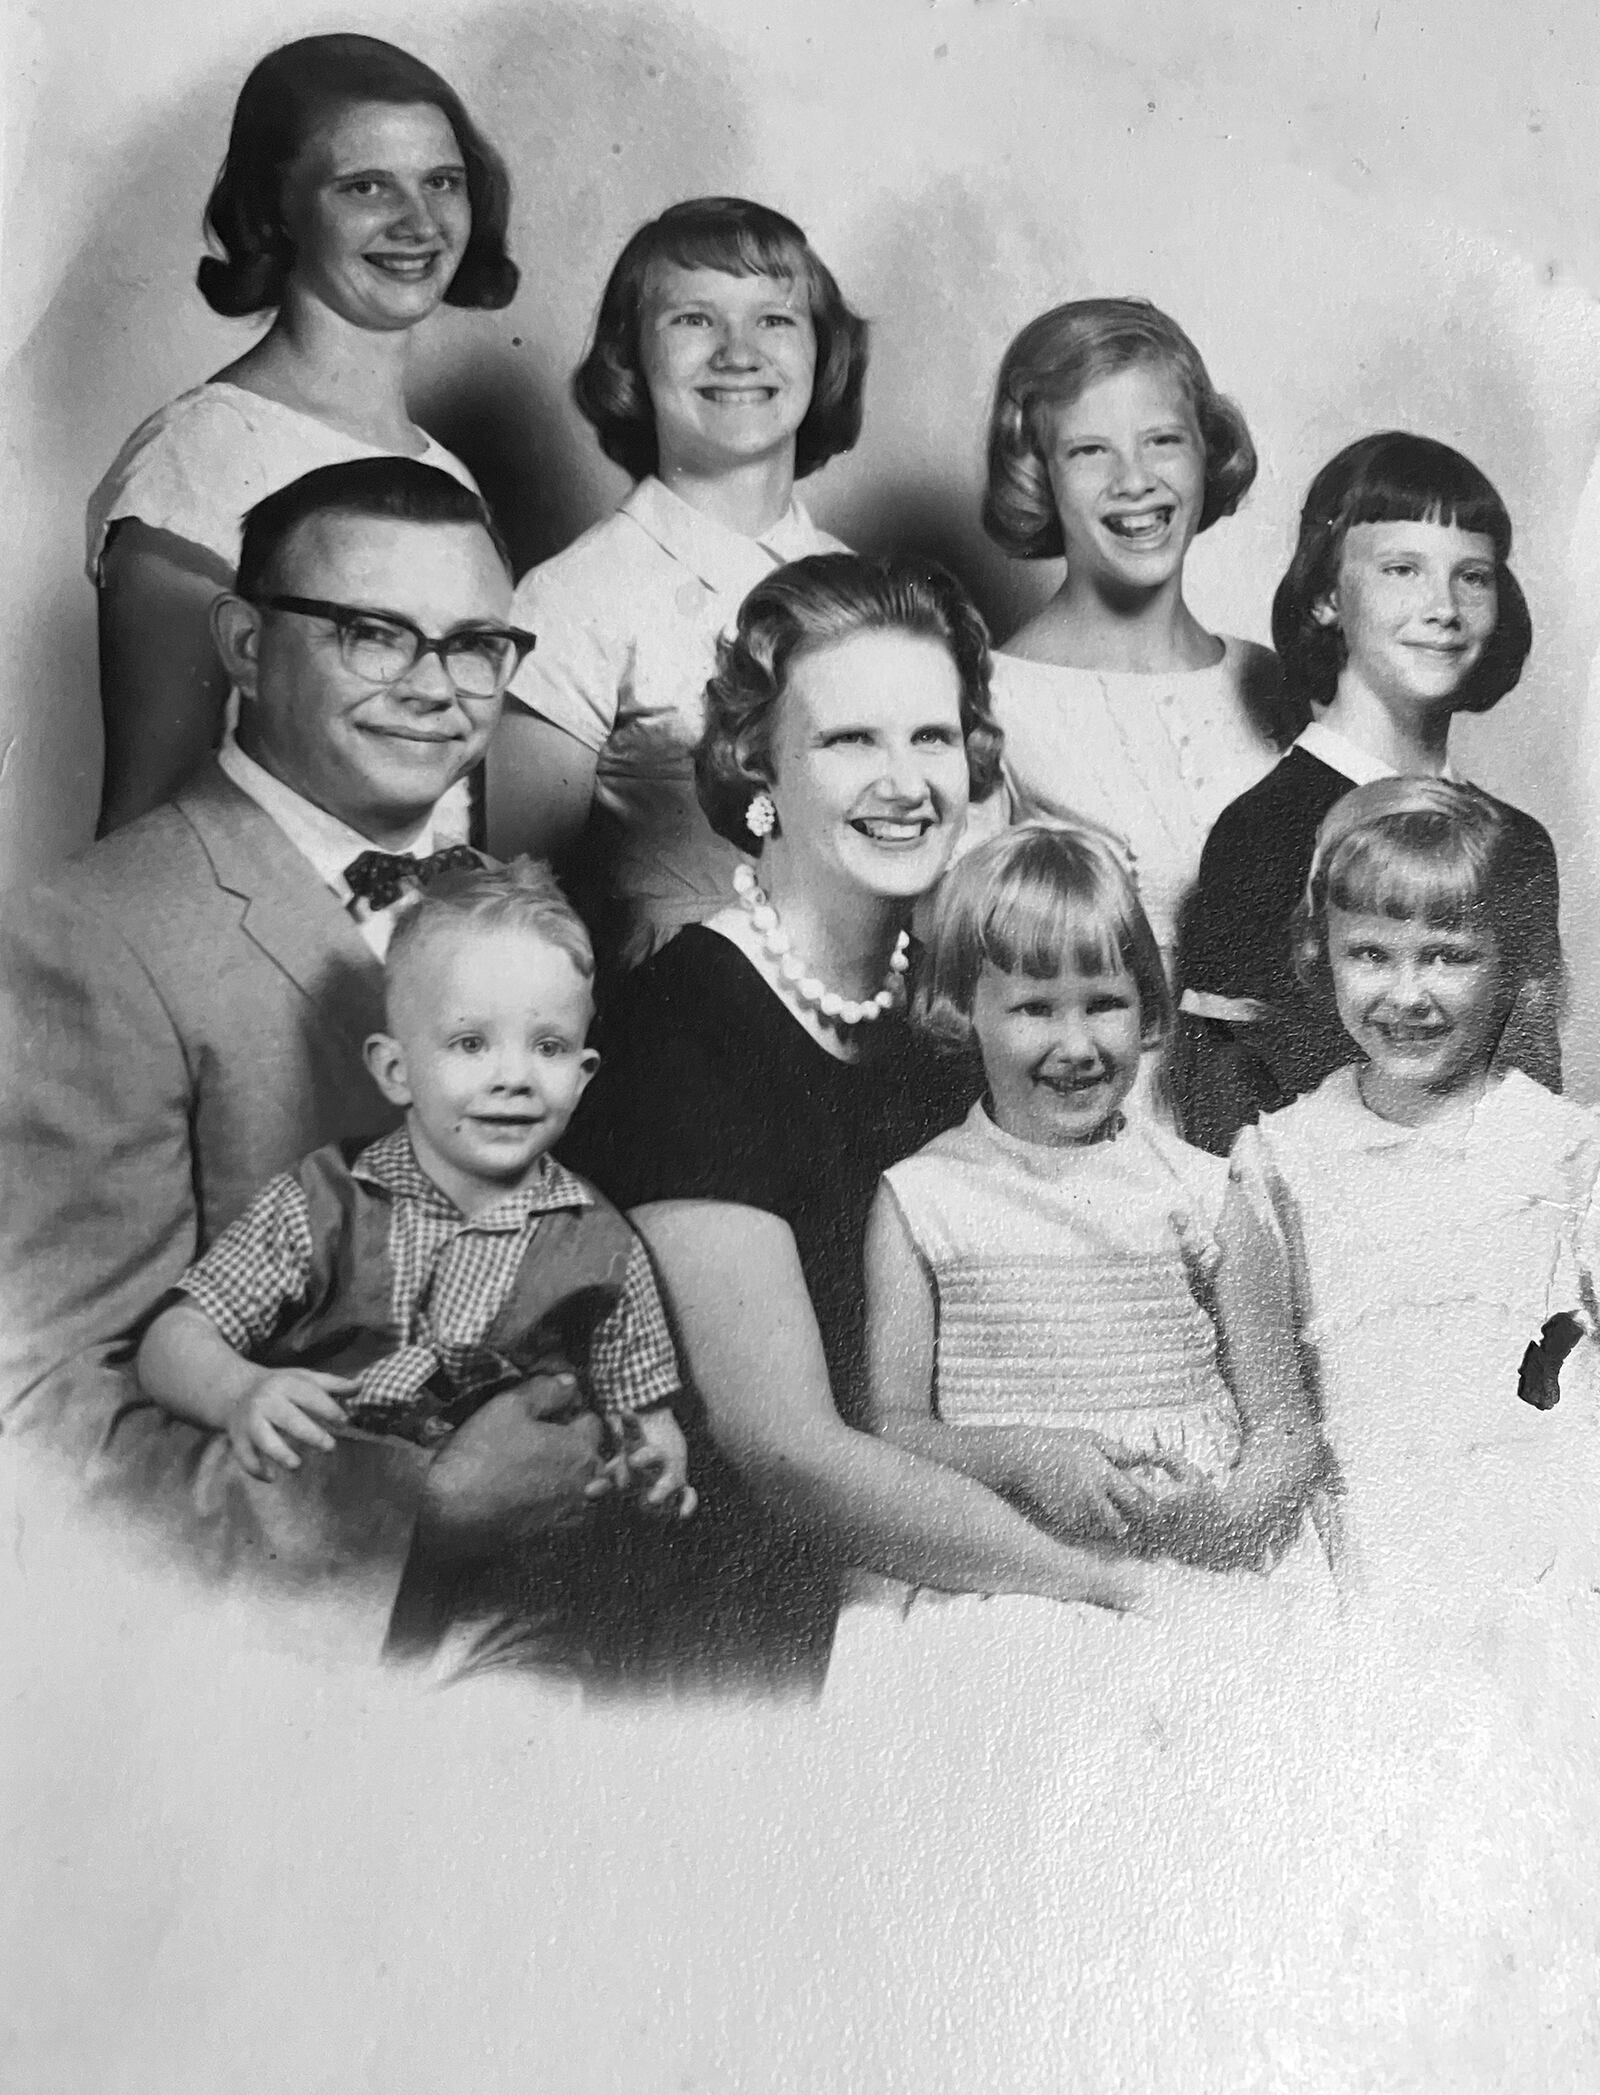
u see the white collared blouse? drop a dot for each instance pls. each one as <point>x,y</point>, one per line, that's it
<point>627,620</point>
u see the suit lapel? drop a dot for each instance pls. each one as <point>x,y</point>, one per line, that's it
<point>286,911</point>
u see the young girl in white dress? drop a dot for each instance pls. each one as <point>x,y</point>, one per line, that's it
<point>1375,1827</point>
<point>1057,1302</point>
<point>1440,1222</point>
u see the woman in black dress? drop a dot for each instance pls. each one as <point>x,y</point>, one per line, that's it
<point>758,1076</point>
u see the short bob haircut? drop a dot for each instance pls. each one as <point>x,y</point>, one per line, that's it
<point>1047,367</point>
<point>741,239</point>
<point>1392,477</point>
<point>281,103</point>
<point>522,896</point>
<point>1445,853</point>
<point>811,604</point>
<point>401,489</point>
<point>1030,901</point>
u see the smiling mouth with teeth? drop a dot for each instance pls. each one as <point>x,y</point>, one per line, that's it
<point>1069,1087</point>
<point>883,831</point>
<point>1134,530</point>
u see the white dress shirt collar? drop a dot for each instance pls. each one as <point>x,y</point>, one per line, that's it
<point>722,558</point>
<point>327,844</point>
<point>1348,758</point>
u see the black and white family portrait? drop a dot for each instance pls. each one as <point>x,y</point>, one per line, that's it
<point>800,1007</point>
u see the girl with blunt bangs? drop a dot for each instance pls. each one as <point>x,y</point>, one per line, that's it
<point>356,197</point>
<point>1110,447</point>
<point>724,366</point>
<point>1398,611</point>
<point>1441,1216</point>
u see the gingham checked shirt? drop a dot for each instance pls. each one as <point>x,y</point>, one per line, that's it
<point>451,1275</point>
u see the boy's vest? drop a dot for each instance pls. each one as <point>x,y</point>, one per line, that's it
<point>569,1281</point>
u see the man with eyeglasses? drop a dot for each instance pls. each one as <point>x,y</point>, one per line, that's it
<point>182,1012</point>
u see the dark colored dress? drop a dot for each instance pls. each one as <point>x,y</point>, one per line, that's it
<point>1236,944</point>
<point>710,1089</point>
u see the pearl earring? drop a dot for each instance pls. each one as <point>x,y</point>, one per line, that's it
<point>761,816</point>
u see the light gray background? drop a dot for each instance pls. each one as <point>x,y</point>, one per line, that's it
<point>238,1868</point>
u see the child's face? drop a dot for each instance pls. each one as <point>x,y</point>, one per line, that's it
<point>728,362</point>
<point>1416,604</point>
<point>1423,1004</point>
<point>1061,1052</point>
<point>1128,471</point>
<point>487,1056</point>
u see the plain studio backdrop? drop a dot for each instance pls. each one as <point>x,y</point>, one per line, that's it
<point>1367,216</point>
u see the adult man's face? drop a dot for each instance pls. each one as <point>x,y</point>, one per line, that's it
<point>376,755</point>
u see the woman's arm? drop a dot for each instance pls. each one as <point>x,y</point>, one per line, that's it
<point>539,782</point>
<point>162,688</point>
<point>1065,1479</point>
<point>732,1280</point>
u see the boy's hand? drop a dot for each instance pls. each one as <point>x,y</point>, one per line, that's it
<point>282,1408</point>
<point>652,1465</point>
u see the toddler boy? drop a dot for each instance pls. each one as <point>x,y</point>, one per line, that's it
<point>398,1289</point>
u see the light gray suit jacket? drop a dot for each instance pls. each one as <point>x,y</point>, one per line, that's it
<point>182,1011</point>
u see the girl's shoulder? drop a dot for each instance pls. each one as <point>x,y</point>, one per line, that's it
<point>970,1146</point>
<point>1168,1152</point>
<point>1527,1116</point>
<point>191,468</point>
<point>1328,1119</point>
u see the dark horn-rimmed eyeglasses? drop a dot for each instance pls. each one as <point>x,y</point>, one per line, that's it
<point>383,646</point>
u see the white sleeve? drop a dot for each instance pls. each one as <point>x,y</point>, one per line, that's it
<point>194,469</point>
<point>574,676</point>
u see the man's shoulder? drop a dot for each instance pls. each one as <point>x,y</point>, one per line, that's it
<point>165,865</point>
<point>119,881</point>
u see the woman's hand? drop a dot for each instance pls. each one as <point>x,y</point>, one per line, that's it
<point>280,1410</point>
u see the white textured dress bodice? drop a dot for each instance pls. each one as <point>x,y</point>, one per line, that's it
<point>1072,1284</point>
<point>1425,1260</point>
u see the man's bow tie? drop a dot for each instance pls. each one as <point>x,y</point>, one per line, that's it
<point>377,877</point>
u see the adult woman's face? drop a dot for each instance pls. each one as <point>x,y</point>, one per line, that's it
<point>376,205</point>
<point>1128,470</point>
<point>869,766</point>
<point>728,362</point>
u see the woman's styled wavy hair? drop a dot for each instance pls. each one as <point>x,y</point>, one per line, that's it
<point>1447,854</point>
<point>281,103</point>
<point>812,604</point>
<point>1031,901</point>
<point>741,239</point>
<point>1047,367</point>
<point>1392,477</point>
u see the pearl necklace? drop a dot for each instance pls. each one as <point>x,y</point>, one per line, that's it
<point>809,989</point>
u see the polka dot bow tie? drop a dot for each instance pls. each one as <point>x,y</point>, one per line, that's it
<point>377,877</point>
